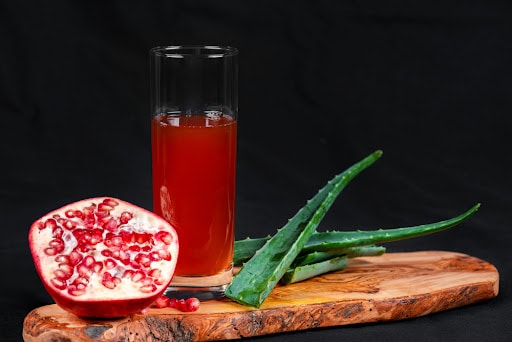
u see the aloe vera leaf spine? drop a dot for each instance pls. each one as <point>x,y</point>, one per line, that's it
<point>256,279</point>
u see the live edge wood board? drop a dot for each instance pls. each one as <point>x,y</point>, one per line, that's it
<point>394,286</point>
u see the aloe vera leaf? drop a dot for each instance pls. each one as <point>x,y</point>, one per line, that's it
<point>324,241</point>
<point>332,240</point>
<point>260,274</point>
<point>304,272</point>
<point>350,252</point>
<point>245,249</point>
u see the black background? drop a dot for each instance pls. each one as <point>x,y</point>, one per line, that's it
<point>322,84</point>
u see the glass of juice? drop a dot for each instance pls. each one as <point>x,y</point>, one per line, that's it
<point>194,110</point>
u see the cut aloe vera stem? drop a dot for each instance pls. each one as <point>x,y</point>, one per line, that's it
<point>324,241</point>
<point>350,252</point>
<point>260,274</point>
<point>301,273</point>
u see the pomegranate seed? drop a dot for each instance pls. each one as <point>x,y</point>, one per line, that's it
<point>67,269</point>
<point>96,236</point>
<point>143,259</point>
<point>134,248</point>
<point>117,241</point>
<point>62,259</point>
<point>75,290</point>
<point>164,236</point>
<point>110,202</point>
<point>61,275</point>
<point>138,276</point>
<point>88,261</point>
<point>125,217</point>
<point>127,236</point>
<point>106,252</point>
<point>57,245</point>
<point>146,248</point>
<point>75,257</point>
<point>58,283</point>
<point>164,254</point>
<point>50,251</point>
<point>50,223</point>
<point>155,273</point>
<point>128,274</point>
<point>162,302</point>
<point>97,267</point>
<point>148,288</point>
<point>191,304</point>
<point>69,213</point>
<point>40,225</point>
<point>84,271</point>
<point>109,284</point>
<point>104,208</point>
<point>57,232</point>
<point>110,263</point>
<point>142,238</point>
<point>111,225</point>
<point>83,281</point>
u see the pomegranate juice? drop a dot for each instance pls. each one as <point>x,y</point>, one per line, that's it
<point>194,164</point>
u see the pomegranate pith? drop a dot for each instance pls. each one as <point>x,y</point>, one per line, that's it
<point>103,257</point>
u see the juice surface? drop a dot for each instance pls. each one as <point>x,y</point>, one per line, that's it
<point>194,166</point>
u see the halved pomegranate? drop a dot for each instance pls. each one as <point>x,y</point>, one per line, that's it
<point>103,257</point>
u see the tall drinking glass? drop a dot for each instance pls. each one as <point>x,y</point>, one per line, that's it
<point>194,109</point>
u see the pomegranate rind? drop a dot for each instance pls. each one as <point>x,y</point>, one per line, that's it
<point>109,295</point>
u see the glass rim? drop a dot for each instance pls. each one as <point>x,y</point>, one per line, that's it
<point>197,51</point>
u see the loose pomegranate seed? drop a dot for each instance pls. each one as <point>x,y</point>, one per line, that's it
<point>162,302</point>
<point>186,305</point>
<point>191,305</point>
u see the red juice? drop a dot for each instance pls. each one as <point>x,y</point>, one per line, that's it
<point>194,166</point>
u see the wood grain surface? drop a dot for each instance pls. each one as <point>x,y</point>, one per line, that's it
<point>394,286</point>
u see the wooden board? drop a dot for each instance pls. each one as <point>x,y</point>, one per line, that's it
<point>394,286</point>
